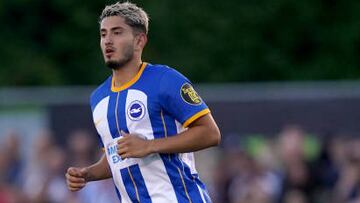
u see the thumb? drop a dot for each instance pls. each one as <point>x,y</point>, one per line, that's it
<point>84,171</point>
<point>74,171</point>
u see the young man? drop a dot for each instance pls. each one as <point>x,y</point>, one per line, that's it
<point>149,119</point>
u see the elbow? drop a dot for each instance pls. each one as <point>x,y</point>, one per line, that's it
<point>215,136</point>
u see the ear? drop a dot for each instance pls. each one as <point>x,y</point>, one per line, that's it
<point>140,41</point>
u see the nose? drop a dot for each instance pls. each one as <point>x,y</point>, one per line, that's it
<point>108,40</point>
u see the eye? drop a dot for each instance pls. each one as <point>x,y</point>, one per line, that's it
<point>102,35</point>
<point>117,32</point>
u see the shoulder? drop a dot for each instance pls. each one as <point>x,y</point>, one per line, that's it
<point>157,69</point>
<point>100,92</point>
<point>163,72</point>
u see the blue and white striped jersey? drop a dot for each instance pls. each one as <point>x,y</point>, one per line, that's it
<point>158,102</point>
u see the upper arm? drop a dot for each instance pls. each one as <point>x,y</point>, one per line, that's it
<point>206,120</point>
<point>210,126</point>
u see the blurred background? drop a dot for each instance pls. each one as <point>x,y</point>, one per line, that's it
<point>281,78</point>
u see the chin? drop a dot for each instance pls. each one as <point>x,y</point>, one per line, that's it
<point>110,61</point>
<point>117,64</point>
<point>112,64</point>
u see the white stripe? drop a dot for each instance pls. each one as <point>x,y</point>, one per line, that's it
<point>187,158</point>
<point>152,167</point>
<point>142,126</point>
<point>179,127</point>
<point>121,187</point>
<point>102,127</point>
<point>100,120</point>
<point>156,180</point>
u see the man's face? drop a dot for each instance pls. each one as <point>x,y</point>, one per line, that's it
<point>117,41</point>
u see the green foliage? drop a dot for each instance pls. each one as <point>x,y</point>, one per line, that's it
<point>56,42</point>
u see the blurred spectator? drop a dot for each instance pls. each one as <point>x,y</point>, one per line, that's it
<point>347,188</point>
<point>54,189</point>
<point>83,151</point>
<point>239,178</point>
<point>296,169</point>
<point>227,168</point>
<point>4,165</point>
<point>328,166</point>
<point>14,164</point>
<point>276,170</point>
<point>36,171</point>
<point>11,166</point>
<point>98,192</point>
<point>81,148</point>
<point>294,196</point>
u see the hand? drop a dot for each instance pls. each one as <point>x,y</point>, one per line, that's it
<point>76,178</point>
<point>132,146</point>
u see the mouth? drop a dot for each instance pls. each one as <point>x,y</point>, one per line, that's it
<point>109,52</point>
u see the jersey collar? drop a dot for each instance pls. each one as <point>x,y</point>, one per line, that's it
<point>131,82</point>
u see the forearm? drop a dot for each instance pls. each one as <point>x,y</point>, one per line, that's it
<point>201,134</point>
<point>99,171</point>
<point>197,137</point>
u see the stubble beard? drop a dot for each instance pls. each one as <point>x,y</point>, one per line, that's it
<point>118,64</point>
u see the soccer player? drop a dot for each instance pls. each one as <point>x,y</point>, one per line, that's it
<point>149,119</point>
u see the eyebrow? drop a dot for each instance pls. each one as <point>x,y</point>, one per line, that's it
<point>112,29</point>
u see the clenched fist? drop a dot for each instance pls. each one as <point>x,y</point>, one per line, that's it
<point>133,146</point>
<point>76,178</point>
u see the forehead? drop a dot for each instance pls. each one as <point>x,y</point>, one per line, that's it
<point>113,21</point>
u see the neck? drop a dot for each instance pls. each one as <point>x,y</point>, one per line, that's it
<point>126,73</point>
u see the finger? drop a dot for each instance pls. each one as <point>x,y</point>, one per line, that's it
<point>74,189</point>
<point>75,179</point>
<point>122,150</point>
<point>120,141</point>
<point>76,185</point>
<point>124,141</point>
<point>74,171</point>
<point>125,155</point>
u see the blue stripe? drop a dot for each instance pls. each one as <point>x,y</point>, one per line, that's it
<point>122,111</point>
<point>129,185</point>
<point>190,184</point>
<point>189,180</point>
<point>100,93</point>
<point>173,166</point>
<point>175,178</point>
<point>170,125</point>
<point>140,183</point>
<point>111,115</point>
<point>171,169</point>
<point>204,191</point>
<point>156,122</point>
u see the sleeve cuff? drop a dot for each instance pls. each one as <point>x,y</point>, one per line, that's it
<point>196,116</point>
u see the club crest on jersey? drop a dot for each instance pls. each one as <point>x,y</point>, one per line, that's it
<point>189,95</point>
<point>136,110</point>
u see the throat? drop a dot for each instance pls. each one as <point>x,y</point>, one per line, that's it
<point>125,75</point>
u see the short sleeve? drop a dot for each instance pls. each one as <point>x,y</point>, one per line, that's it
<point>179,98</point>
<point>100,143</point>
